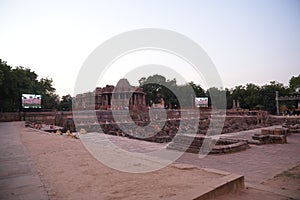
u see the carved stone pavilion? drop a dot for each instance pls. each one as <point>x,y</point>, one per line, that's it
<point>119,97</point>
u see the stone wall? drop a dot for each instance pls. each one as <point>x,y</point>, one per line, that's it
<point>9,116</point>
<point>55,118</point>
<point>280,120</point>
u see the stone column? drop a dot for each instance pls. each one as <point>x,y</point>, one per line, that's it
<point>144,99</point>
<point>237,104</point>
<point>277,103</point>
<point>233,104</point>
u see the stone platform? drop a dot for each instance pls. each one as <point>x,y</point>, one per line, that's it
<point>199,145</point>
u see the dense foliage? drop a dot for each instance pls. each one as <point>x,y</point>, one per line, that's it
<point>17,81</point>
<point>250,96</point>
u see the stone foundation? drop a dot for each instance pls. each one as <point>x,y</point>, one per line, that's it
<point>202,145</point>
<point>274,135</point>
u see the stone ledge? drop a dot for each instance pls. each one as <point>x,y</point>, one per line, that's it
<point>214,188</point>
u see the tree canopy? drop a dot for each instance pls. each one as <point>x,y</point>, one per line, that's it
<point>157,87</point>
<point>20,80</point>
<point>250,96</point>
<point>17,81</point>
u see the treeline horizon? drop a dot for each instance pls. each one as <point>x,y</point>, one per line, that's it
<point>15,81</point>
<point>250,96</point>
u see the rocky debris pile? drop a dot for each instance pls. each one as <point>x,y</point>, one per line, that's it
<point>283,120</point>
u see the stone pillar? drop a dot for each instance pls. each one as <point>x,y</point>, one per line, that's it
<point>233,104</point>
<point>237,104</point>
<point>277,103</point>
<point>140,99</point>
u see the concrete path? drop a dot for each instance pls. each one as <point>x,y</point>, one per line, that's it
<point>18,177</point>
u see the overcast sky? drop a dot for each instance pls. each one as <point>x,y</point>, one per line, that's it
<point>253,41</point>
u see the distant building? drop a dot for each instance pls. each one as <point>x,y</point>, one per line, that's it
<point>119,97</point>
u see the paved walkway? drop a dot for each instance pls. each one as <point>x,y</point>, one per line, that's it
<point>257,164</point>
<point>18,177</point>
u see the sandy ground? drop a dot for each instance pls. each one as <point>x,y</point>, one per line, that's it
<point>287,181</point>
<point>68,171</point>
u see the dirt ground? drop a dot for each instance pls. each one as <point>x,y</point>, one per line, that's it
<point>68,171</point>
<point>287,181</point>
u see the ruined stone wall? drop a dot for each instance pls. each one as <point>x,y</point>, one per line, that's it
<point>280,120</point>
<point>55,118</point>
<point>9,116</point>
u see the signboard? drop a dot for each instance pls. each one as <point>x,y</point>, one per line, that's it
<point>31,101</point>
<point>201,102</point>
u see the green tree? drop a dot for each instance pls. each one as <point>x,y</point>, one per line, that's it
<point>229,98</point>
<point>7,87</point>
<point>158,86</point>
<point>239,93</point>
<point>268,94</point>
<point>252,96</point>
<point>66,103</point>
<point>155,88</point>
<point>199,91</point>
<point>294,84</point>
<point>16,81</point>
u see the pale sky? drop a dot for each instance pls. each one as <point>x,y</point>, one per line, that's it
<point>249,41</point>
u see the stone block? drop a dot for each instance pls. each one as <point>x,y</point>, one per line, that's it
<point>278,139</point>
<point>265,131</point>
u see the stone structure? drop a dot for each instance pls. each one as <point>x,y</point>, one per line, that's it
<point>183,143</point>
<point>272,135</point>
<point>294,97</point>
<point>235,104</point>
<point>85,101</point>
<point>119,97</point>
